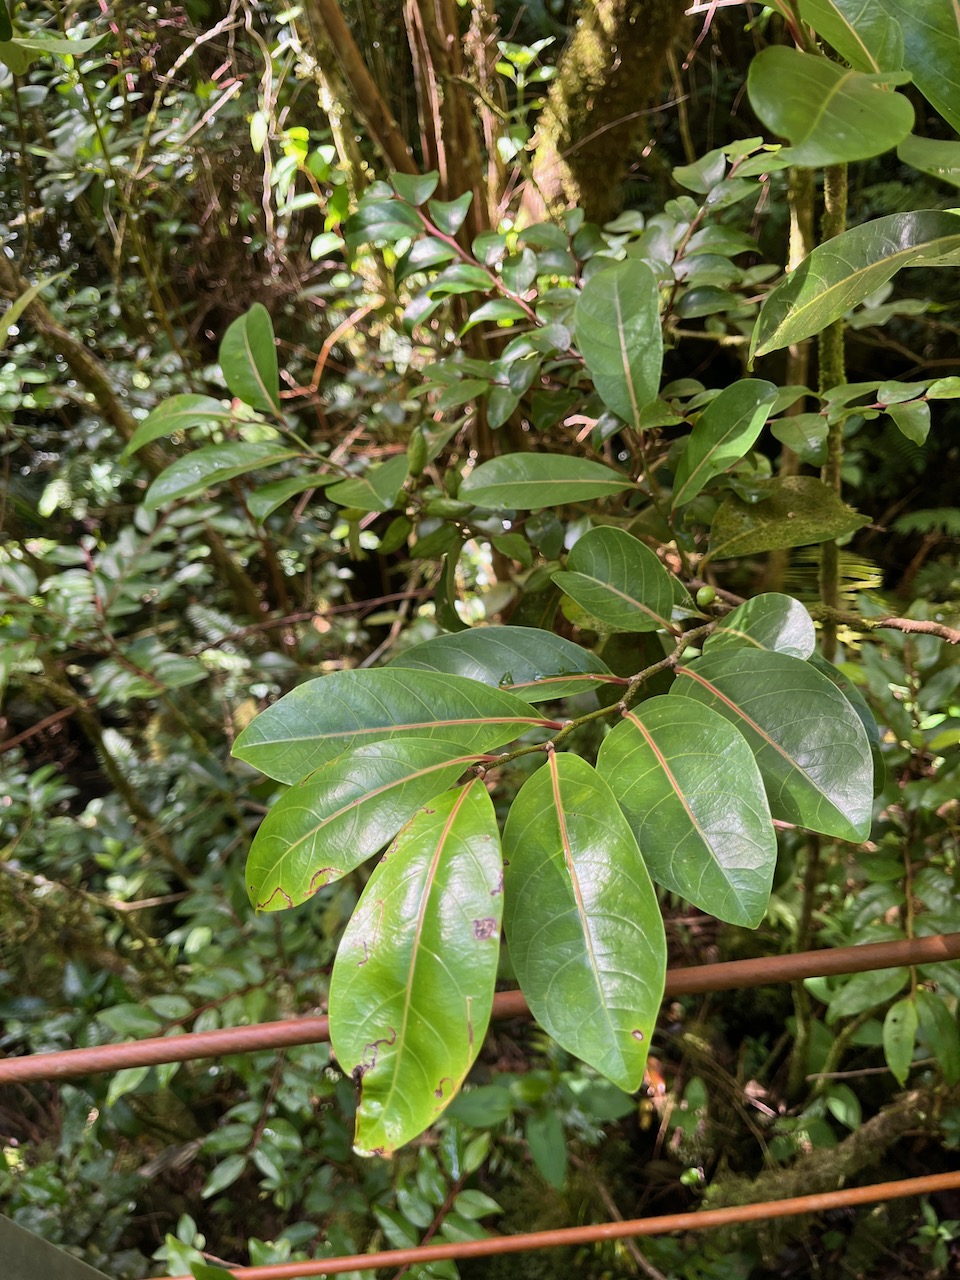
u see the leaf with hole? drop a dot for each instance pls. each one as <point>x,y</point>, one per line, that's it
<point>582,921</point>
<point>412,985</point>
<point>690,787</point>
<point>768,621</point>
<point>214,464</point>
<point>535,665</point>
<point>794,511</point>
<point>617,321</point>
<point>335,818</point>
<point>248,358</point>
<point>322,718</point>
<point>808,741</point>
<point>831,114</point>
<point>844,271</point>
<point>619,581</point>
<point>725,431</point>
<point>531,481</point>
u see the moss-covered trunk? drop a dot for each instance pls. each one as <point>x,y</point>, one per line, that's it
<point>608,76</point>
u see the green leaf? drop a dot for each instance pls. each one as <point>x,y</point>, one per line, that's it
<point>844,1105</point>
<point>724,432</point>
<point>829,113</point>
<point>18,53</point>
<point>617,323</point>
<point>940,159</point>
<point>533,664</point>
<point>423,253</point>
<point>415,188</point>
<point>462,277</point>
<point>495,309</point>
<point>808,741</point>
<point>768,621</point>
<point>412,986</point>
<point>938,1026</point>
<point>449,215</point>
<point>224,1175</point>
<point>212,465</point>
<point>16,309</point>
<point>618,580</point>
<point>931,50</point>
<point>796,511</point>
<point>341,814</point>
<point>913,419</point>
<point>248,358</point>
<point>839,274</point>
<point>376,490</point>
<point>269,497</point>
<point>529,481</point>
<point>179,413</point>
<point>691,789</point>
<point>583,925</point>
<point>474,1204</point>
<point>866,991</point>
<point>899,1037</point>
<point>379,219</point>
<point>322,718</point>
<point>6,26</point>
<point>548,1147</point>
<point>944,389</point>
<point>204,1271</point>
<point>867,38</point>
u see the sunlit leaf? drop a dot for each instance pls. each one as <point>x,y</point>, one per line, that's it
<point>214,464</point>
<point>529,481</point>
<point>725,431</point>
<point>248,358</point>
<point>179,413</point>
<point>583,926</point>
<point>859,30</point>
<point>412,986</point>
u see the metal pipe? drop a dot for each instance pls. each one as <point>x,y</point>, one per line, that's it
<point>506,1004</point>
<point>699,1220</point>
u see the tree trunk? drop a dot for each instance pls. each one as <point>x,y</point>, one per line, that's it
<point>607,78</point>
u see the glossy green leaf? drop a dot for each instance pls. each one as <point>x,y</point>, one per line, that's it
<point>412,986</point>
<point>938,1026</point>
<point>724,432</point>
<point>376,490</point>
<point>214,464</point>
<point>495,309</point>
<point>529,481</point>
<point>939,158</point>
<point>179,413</point>
<point>831,114</point>
<point>931,49</point>
<point>899,1037</point>
<point>341,814</point>
<point>913,419</point>
<point>582,921</point>
<point>224,1175</point>
<point>808,741</point>
<point>618,580</point>
<point>424,253</point>
<point>690,787</point>
<point>269,497</point>
<point>535,665</point>
<point>839,274</point>
<point>768,621</point>
<point>859,30</point>
<point>19,52</point>
<point>415,188</point>
<point>796,511</point>
<point>449,215</point>
<point>319,719</point>
<point>617,323</point>
<point>248,358</point>
<point>380,219</point>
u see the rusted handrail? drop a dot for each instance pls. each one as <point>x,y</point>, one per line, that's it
<point>507,1004</point>
<point>699,1220</point>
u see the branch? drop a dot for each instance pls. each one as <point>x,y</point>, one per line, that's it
<point>911,626</point>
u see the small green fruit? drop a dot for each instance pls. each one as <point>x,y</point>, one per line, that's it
<point>705,597</point>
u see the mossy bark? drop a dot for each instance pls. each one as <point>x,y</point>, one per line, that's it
<point>607,78</point>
